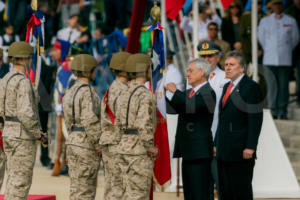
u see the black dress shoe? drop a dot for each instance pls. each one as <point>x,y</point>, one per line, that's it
<point>274,116</point>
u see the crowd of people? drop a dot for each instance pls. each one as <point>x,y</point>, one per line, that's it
<point>83,77</point>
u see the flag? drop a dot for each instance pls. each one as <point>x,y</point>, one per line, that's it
<point>162,167</point>
<point>226,3</point>
<point>188,6</point>
<point>35,37</point>
<point>173,8</point>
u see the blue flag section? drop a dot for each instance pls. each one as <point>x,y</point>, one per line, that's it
<point>158,57</point>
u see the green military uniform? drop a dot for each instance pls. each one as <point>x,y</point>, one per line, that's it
<point>18,107</point>
<point>136,117</point>
<point>81,109</point>
<point>111,135</point>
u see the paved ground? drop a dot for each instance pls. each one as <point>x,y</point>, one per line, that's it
<point>44,183</point>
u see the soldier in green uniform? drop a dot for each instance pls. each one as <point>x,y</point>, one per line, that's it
<point>111,135</point>
<point>136,117</point>
<point>19,109</point>
<point>81,107</point>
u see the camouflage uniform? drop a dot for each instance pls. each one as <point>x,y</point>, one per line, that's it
<point>136,165</point>
<point>109,141</point>
<point>21,130</point>
<point>83,140</point>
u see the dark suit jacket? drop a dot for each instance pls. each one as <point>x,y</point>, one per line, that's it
<point>193,138</point>
<point>45,87</point>
<point>240,120</point>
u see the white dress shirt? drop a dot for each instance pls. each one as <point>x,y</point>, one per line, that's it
<point>68,34</point>
<point>278,37</point>
<point>217,81</point>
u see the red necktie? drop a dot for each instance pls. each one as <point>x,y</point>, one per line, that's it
<point>227,93</point>
<point>191,93</point>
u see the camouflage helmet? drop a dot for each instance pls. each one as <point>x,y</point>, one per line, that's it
<point>84,63</point>
<point>118,60</point>
<point>20,50</point>
<point>138,63</point>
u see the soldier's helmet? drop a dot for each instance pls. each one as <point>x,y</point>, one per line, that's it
<point>118,61</point>
<point>83,63</point>
<point>20,50</point>
<point>137,63</point>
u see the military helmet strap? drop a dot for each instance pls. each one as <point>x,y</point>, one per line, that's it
<point>73,107</point>
<point>127,114</point>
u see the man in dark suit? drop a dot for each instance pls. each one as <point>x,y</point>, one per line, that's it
<point>240,121</point>
<point>193,140</point>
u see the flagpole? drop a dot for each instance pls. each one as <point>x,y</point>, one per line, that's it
<point>254,39</point>
<point>195,28</point>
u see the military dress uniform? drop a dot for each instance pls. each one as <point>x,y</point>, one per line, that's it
<point>111,135</point>
<point>136,117</point>
<point>81,109</point>
<point>19,108</point>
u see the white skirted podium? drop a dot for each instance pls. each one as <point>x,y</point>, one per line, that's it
<point>273,174</point>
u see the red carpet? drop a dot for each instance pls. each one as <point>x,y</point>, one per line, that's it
<point>36,197</point>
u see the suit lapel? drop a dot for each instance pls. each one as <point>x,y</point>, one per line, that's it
<point>235,91</point>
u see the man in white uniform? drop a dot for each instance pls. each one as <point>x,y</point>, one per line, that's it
<point>278,35</point>
<point>212,52</point>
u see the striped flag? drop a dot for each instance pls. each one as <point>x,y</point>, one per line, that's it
<point>35,37</point>
<point>162,167</point>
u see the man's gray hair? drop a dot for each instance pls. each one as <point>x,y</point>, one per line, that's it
<point>240,58</point>
<point>202,64</point>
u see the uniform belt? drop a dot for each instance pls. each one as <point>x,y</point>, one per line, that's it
<point>131,131</point>
<point>77,128</point>
<point>12,119</point>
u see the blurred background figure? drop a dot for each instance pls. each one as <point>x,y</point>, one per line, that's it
<point>213,36</point>
<point>206,15</point>
<point>231,24</point>
<point>9,36</point>
<point>68,8</point>
<point>278,43</point>
<point>71,32</point>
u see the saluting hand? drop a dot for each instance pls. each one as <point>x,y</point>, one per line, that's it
<point>171,87</point>
<point>248,153</point>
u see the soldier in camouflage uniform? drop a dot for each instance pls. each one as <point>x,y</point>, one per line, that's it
<point>81,108</point>
<point>136,117</point>
<point>18,108</point>
<point>2,154</point>
<point>111,136</point>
